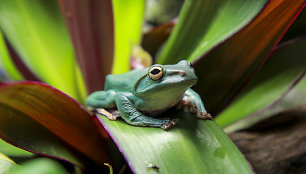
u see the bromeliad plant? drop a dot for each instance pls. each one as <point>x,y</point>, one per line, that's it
<point>73,44</point>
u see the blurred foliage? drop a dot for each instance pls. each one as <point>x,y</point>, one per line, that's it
<point>161,11</point>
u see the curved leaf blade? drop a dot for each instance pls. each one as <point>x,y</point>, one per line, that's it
<point>292,100</point>
<point>37,32</point>
<point>38,109</point>
<point>128,17</point>
<point>39,166</point>
<point>26,72</point>
<point>280,73</point>
<point>297,29</point>
<point>6,63</point>
<point>203,24</point>
<point>34,138</point>
<point>92,31</point>
<point>225,70</point>
<point>12,151</point>
<point>193,146</point>
<point>155,38</point>
<point>5,164</point>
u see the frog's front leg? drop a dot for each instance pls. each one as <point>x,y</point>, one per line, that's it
<point>132,116</point>
<point>99,100</point>
<point>193,101</point>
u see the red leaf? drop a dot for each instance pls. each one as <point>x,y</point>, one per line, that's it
<point>92,30</point>
<point>154,39</point>
<point>22,67</point>
<point>29,107</point>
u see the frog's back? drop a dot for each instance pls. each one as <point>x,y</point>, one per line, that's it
<point>123,82</point>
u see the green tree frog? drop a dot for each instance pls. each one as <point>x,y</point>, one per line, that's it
<point>140,95</point>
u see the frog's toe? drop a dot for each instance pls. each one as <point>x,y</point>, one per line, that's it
<point>112,116</point>
<point>204,115</point>
<point>193,110</point>
<point>116,114</point>
<point>170,124</point>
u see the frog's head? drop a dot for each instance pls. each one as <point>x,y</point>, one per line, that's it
<point>172,79</point>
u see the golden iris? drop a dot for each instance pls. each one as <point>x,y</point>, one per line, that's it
<point>156,72</point>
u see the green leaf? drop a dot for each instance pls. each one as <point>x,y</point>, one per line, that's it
<point>225,70</point>
<point>9,150</point>
<point>36,31</point>
<point>292,100</point>
<point>281,72</point>
<point>6,63</point>
<point>159,11</point>
<point>128,17</point>
<point>39,166</point>
<point>5,163</point>
<point>92,30</point>
<point>51,123</point>
<point>193,146</point>
<point>202,24</point>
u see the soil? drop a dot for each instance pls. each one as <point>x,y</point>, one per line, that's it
<point>276,145</point>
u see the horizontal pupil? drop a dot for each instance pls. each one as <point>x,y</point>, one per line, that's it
<point>155,71</point>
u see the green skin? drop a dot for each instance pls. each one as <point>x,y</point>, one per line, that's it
<point>139,98</point>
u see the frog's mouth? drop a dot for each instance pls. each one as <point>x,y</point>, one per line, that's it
<point>175,84</point>
<point>189,82</point>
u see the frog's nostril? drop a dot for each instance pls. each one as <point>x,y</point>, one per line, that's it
<point>190,64</point>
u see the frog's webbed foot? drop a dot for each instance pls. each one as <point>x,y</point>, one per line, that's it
<point>110,115</point>
<point>193,102</point>
<point>204,115</point>
<point>170,124</point>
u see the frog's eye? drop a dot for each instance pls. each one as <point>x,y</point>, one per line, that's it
<point>156,72</point>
